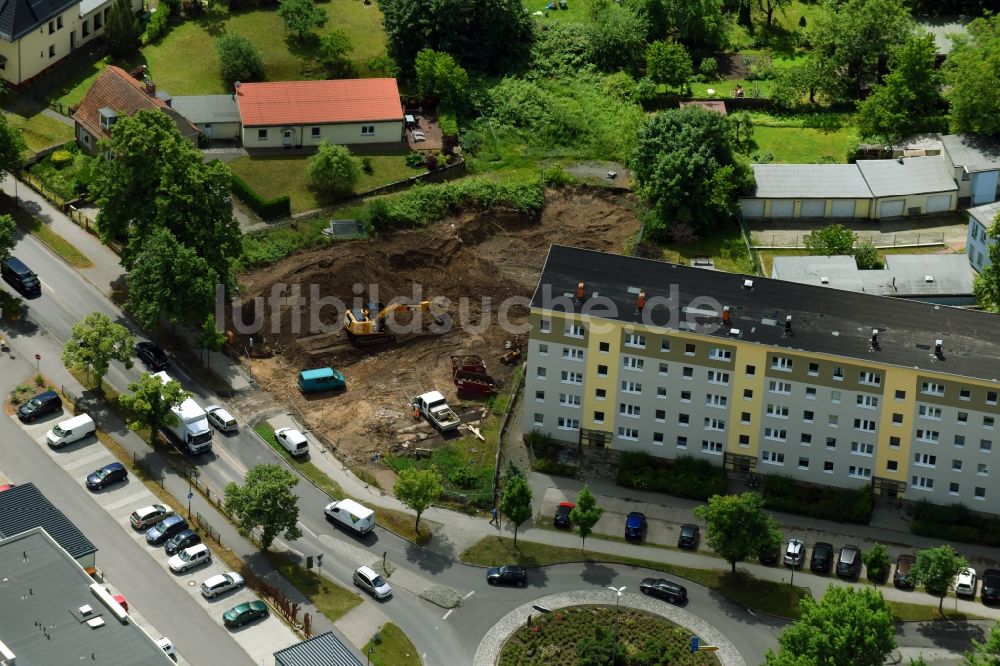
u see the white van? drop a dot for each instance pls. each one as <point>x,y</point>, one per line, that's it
<point>351,515</point>
<point>71,430</point>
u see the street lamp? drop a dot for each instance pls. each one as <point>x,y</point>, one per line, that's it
<point>618,591</point>
<point>618,597</point>
<point>371,650</point>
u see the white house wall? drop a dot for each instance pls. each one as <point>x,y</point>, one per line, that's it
<point>341,133</point>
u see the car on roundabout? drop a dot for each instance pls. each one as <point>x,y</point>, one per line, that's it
<point>665,589</point>
<point>508,574</point>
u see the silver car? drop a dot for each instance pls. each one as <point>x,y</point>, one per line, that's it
<point>222,419</point>
<point>220,584</point>
<point>372,583</point>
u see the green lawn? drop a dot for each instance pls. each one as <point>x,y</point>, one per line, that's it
<point>905,612</point>
<point>804,145</point>
<point>767,256</point>
<point>393,648</point>
<point>275,176</point>
<point>39,130</point>
<point>330,599</point>
<point>577,11</point>
<point>725,247</point>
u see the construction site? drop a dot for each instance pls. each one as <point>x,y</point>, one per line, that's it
<point>479,259</point>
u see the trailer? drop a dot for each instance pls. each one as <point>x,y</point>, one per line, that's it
<point>470,376</point>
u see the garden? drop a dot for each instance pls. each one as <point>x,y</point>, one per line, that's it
<point>684,476</point>
<point>67,172</point>
<point>590,635</point>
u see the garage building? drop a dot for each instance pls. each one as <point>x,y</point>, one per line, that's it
<point>908,187</point>
<point>808,190</point>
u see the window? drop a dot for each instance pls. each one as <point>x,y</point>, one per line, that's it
<point>748,394</point>
<point>573,353</point>
<point>600,394</point>
<point>661,391</point>
<point>314,132</point>
<point>682,442</point>
<point>97,22</point>
<point>631,387</point>
<point>923,483</point>
<point>924,459</point>
<point>687,372</point>
<point>745,418</point>
<point>952,488</point>
<point>744,440</point>
<point>544,325</point>
<point>810,393</point>
<point>777,411</point>
<point>604,347</point>
<point>540,372</point>
<point>835,397</point>
<point>838,374</point>
<point>803,463</point>
<point>59,23</point>
<point>831,442</point>
<point>965,394</point>
<point>628,433</point>
<point>626,409</point>
<point>781,363</point>
<point>539,419</point>
<point>862,448</point>
<point>928,412</point>
<point>262,135</point>
<point>664,368</point>
<point>980,493</point>
<point>52,27</point>
<point>900,394</point>
<point>930,436</point>
<point>569,400</point>
<point>661,415</point>
<point>598,417</point>
<point>991,397</point>
<point>658,438</point>
<point>894,442</point>
<point>635,340</point>
<point>543,349</point>
<point>956,465</point>
<point>985,445</point>
<point>780,387</point>
<point>664,346</point>
<point>865,425</point>
<point>713,400</point>
<point>859,472</point>
<point>683,419</point>
<point>814,369</point>
<point>367,130</point>
<point>714,448</point>
<point>568,424</point>
<point>719,354</point>
<point>867,400</point>
<point>982,469</point>
<point>891,465</point>
<point>931,388</point>
<point>988,422</point>
<point>776,434</point>
<point>539,396</point>
<point>962,418</point>
<point>833,420</point>
<point>714,424</point>
<point>689,349</point>
<point>571,377</point>
<point>751,370</point>
<point>716,377</point>
<point>870,378</point>
<point>959,441</point>
<point>897,418</point>
<point>807,416</point>
<point>828,467</point>
<point>806,438</point>
<point>602,371</point>
<point>773,457</point>
<point>574,330</point>
<point>85,28</point>
<point>685,396</point>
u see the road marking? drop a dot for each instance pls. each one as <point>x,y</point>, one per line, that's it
<point>46,286</point>
<point>469,594</point>
<point>307,531</point>
<point>89,459</point>
<point>448,613</point>
<point>142,495</point>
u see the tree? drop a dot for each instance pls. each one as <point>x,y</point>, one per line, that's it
<point>986,653</point>
<point>987,283</point>
<point>438,75</point>
<point>936,569</point>
<point>847,626</point>
<point>265,500</point>
<point>333,169</point>
<point>8,238</point>
<point>210,338</point>
<point>909,99</point>
<point>122,29</point>
<point>585,514</point>
<point>12,148</point>
<point>867,256</point>
<point>239,59</point>
<point>334,49</point>
<point>687,170</point>
<point>169,280</point>
<point>741,132</point>
<point>738,528</point>
<point>972,72</point>
<point>94,343</point>
<point>833,239</point>
<point>877,563</point>
<point>698,24</point>
<point>149,403</point>
<point>418,489</point>
<point>515,502</point>
<point>488,36</point>
<point>802,80</point>
<point>669,63</point>
<point>616,37</point>
<point>768,7</point>
<point>301,16</point>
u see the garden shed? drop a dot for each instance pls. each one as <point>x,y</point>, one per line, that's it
<point>807,190</point>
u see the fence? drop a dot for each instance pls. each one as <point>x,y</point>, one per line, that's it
<point>766,241</point>
<point>515,392</point>
<point>40,187</point>
<point>758,266</point>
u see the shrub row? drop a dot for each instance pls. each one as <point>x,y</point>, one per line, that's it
<point>685,476</point>
<point>954,522</point>
<point>278,207</point>
<point>845,505</point>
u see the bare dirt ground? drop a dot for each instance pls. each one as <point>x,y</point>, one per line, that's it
<point>484,258</point>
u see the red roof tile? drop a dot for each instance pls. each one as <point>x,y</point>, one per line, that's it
<point>319,102</point>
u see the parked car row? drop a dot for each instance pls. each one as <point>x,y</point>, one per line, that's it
<point>848,561</point>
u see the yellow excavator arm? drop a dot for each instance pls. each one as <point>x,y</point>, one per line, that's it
<point>365,324</point>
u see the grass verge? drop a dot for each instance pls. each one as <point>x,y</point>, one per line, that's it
<point>905,612</point>
<point>42,232</point>
<point>330,599</point>
<point>392,649</point>
<point>725,247</point>
<point>40,130</point>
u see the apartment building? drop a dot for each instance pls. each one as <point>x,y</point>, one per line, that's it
<point>760,375</point>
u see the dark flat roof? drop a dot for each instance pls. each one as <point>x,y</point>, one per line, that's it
<point>824,320</point>
<point>323,650</point>
<point>24,507</point>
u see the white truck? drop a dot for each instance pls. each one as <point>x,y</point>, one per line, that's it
<point>191,433</point>
<point>435,409</point>
<point>350,514</point>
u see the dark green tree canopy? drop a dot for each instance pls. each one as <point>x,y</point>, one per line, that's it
<point>239,59</point>
<point>698,24</point>
<point>301,16</point>
<point>987,283</point>
<point>8,236</point>
<point>738,528</point>
<point>972,71</point>
<point>669,63</point>
<point>438,75</point>
<point>616,37</point>
<point>12,147</point>
<point>267,502</point>
<point>123,30</point>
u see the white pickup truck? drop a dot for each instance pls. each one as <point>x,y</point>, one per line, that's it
<point>435,409</point>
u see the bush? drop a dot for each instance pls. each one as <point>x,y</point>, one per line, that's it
<point>866,256</point>
<point>685,476</point>
<point>431,162</point>
<point>448,124</point>
<point>463,477</point>
<point>239,59</point>
<point>546,466</point>
<point>366,165</point>
<point>61,158</point>
<point>954,522</point>
<point>158,24</point>
<point>333,169</point>
<point>709,68</point>
<point>414,159</point>
<point>278,207</point>
<point>845,505</point>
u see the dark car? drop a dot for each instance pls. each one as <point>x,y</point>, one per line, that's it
<point>507,575</point>
<point>822,557</point>
<point>664,589</point>
<point>770,555</point>
<point>22,278</point>
<point>990,593</point>
<point>635,526</point>
<point>40,405</point>
<point>181,540</point>
<point>152,356</point>
<point>166,528</point>
<point>690,534</point>
<point>849,565</point>
<point>902,578</point>
<point>562,515</point>
<point>239,615</point>
<point>105,476</point>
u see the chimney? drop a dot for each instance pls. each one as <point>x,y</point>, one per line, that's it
<point>748,284</point>
<point>725,315</point>
<point>150,87</point>
<point>874,338</point>
<point>900,159</point>
<point>579,293</point>
<point>938,348</point>
<point>640,301</point>
<point>788,323</point>
<point>236,88</point>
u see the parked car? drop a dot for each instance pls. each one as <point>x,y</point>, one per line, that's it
<point>221,419</point>
<point>372,583</point>
<point>292,440</point>
<point>849,562</point>
<point>190,558</point>
<point>770,555</point>
<point>562,515</point>
<point>44,403</point>
<point>902,578</point>
<point>508,574</point>
<point>221,584</point>
<point>689,536</point>
<point>794,553</point>
<point>181,540</point>
<point>965,583</point>
<point>152,356</point>
<point>665,589</point>
<point>148,516</point>
<point>822,557</point>
<point>105,476</point>
<point>120,598</point>
<point>166,528</point>
<point>168,647</point>
<point>243,613</point>
<point>635,526</point>
<point>71,430</point>
<point>990,593</point>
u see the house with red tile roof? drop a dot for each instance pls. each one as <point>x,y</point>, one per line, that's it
<point>302,114</point>
<point>116,94</point>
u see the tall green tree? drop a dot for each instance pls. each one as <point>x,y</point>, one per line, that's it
<point>418,489</point>
<point>669,63</point>
<point>972,72</point>
<point>741,132</point>
<point>8,236</point>
<point>909,99</point>
<point>122,29</point>
<point>986,653</point>
<point>847,626</point>
<point>585,514</point>
<point>831,240</point>
<point>768,7</point>
<point>334,52</point>
<point>515,502</point>
<point>936,569</point>
<point>987,283</point>
<point>149,402</point>
<point>738,528</point>
<point>333,169</point>
<point>688,171</point>
<point>877,563</point>
<point>301,16</point>
<point>266,501</point>
<point>210,338</point>
<point>698,24</point>
<point>95,342</point>
<point>239,59</point>
<point>616,37</point>
<point>804,80</point>
<point>12,148</point>
<point>439,75</point>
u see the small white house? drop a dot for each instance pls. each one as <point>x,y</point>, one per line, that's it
<point>976,160</point>
<point>978,242</point>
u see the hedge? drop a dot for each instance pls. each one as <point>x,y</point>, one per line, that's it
<point>685,476</point>
<point>844,505</point>
<point>279,207</point>
<point>954,522</point>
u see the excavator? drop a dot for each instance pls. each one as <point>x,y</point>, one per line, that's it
<point>364,329</point>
